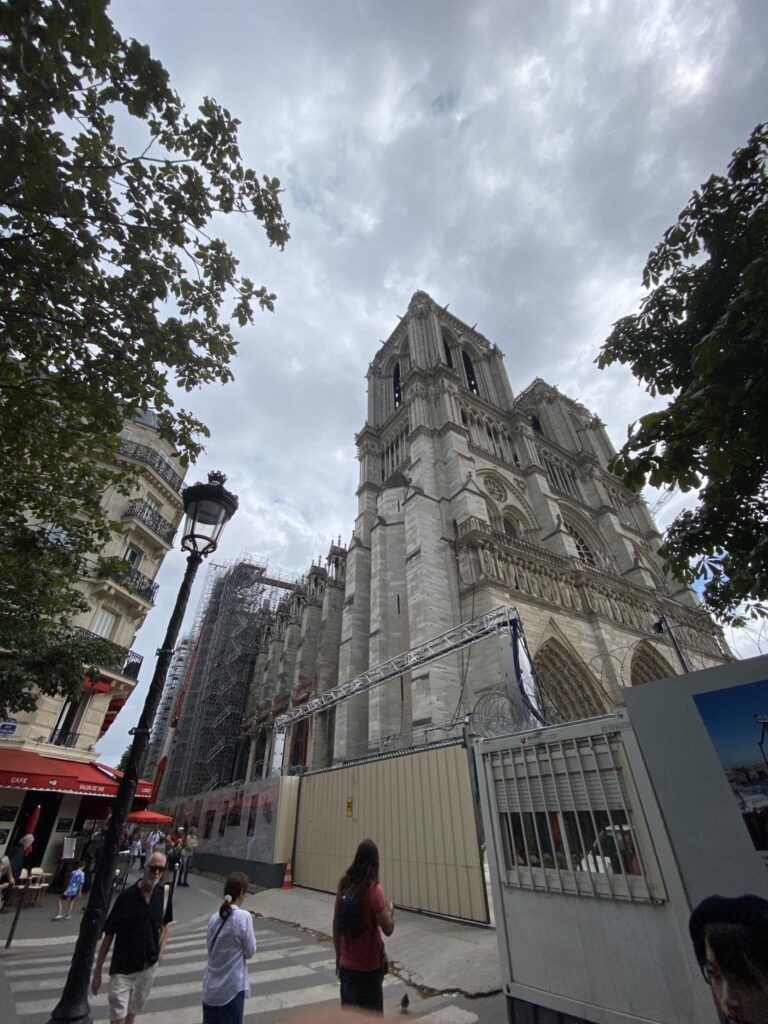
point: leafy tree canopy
(113, 289)
(701, 336)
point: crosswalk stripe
(287, 972)
(451, 1015)
(166, 991)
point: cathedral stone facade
(471, 498)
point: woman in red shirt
(360, 915)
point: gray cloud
(517, 161)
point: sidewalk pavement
(435, 953)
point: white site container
(602, 835)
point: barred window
(566, 821)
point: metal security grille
(568, 818)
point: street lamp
(208, 507)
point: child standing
(74, 886)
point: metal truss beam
(452, 640)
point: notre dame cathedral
(470, 497)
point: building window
(469, 371)
(133, 556)
(447, 351)
(397, 388)
(566, 823)
(104, 624)
(536, 424)
(583, 549)
(510, 528)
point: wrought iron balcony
(64, 738)
(153, 459)
(141, 584)
(148, 514)
(129, 661)
(130, 578)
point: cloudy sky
(517, 160)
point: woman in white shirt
(231, 943)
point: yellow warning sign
(349, 806)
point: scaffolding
(211, 703)
(162, 723)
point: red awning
(24, 769)
(144, 789)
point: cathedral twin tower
(469, 498)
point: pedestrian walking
(135, 850)
(730, 938)
(173, 850)
(7, 881)
(151, 841)
(189, 846)
(138, 923)
(18, 852)
(231, 943)
(72, 891)
(361, 913)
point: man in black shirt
(138, 922)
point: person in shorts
(138, 924)
(72, 891)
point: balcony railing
(143, 453)
(64, 738)
(148, 514)
(141, 584)
(474, 525)
(132, 580)
(130, 661)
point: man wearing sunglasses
(138, 923)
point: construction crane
(464, 635)
(663, 499)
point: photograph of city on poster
(736, 719)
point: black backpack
(350, 916)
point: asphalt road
(292, 973)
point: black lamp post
(208, 508)
(662, 626)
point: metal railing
(129, 663)
(141, 584)
(64, 738)
(146, 513)
(132, 579)
(143, 453)
(475, 525)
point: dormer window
(469, 371)
(397, 387)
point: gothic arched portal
(647, 665)
(569, 691)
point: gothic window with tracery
(536, 424)
(398, 391)
(469, 371)
(495, 489)
(568, 689)
(583, 549)
(510, 527)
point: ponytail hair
(236, 884)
